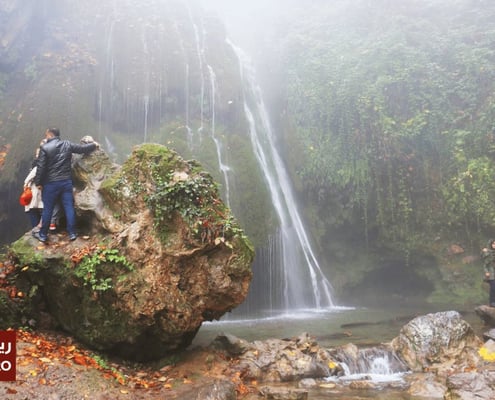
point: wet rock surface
(432, 340)
(487, 314)
(218, 372)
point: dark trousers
(492, 292)
(51, 194)
(34, 216)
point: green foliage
(27, 254)
(396, 123)
(195, 198)
(469, 195)
(190, 197)
(95, 269)
(3, 81)
(103, 364)
(31, 71)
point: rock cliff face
(19, 27)
(157, 255)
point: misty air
(247, 200)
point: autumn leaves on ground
(53, 365)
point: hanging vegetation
(395, 108)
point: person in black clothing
(488, 257)
(54, 177)
(35, 207)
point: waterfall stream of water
(304, 285)
(207, 79)
(289, 276)
(224, 168)
(199, 44)
(377, 364)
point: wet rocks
(471, 386)
(487, 314)
(274, 393)
(442, 355)
(426, 385)
(380, 359)
(217, 390)
(278, 360)
(437, 341)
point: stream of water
(364, 327)
(361, 326)
(301, 283)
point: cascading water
(298, 281)
(188, 127)
(137, 65)
(224, 168)
(109, 67)
(146, 96)
(200, 55)
(377, 364)
(202, 62)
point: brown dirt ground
(51, 366)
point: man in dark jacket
(488, 257)
(54, 177)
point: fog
(158, 70)
(251, 23)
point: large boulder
(157, 255)
(277, 360)
(438, 341)
(470, 386)
(487, 314)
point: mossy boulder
(158, 253)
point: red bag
(26, 196)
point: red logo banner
(7, 355)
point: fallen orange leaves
(241, 388)
(81, 360)
(6, 285)
(77, 256)
(44, 350)
(4, 150)
(41, 351)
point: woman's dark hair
(54, 131)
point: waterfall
(200, 54)
(188, 128)
(200, 49)
(146, 96)
(109, 66)
(302, 283)
(224, 168)
(146, 102)
(130, 91)
(376, 363)
(189, 133)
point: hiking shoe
(40, 237)
(72, 237)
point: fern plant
(92, 269)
